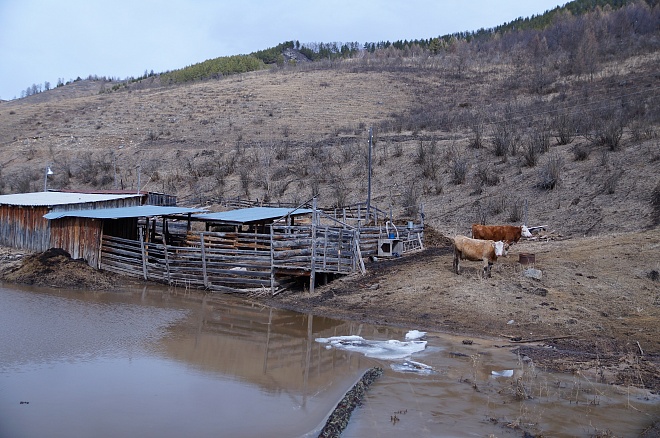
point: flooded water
(159, 362)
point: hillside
(560, 124)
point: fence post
(144, 255)
(167, 262)
(272, 264)
(206, 279)
(312, 274)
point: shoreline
(598, 316)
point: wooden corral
(235, 262)
(231, 261)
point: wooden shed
(23, 223)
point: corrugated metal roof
(124, 212)
(254, 214)
(40, 199)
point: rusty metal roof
(251, 215)
(124, 212)
(49, 199)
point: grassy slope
(294, 131)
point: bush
(564, 127)
(459, 168)
(581, 152)
(516, 210)
(611, 182)
(608, 130)
(655, 204)
(410, 200)
(487, 177)
(531, 154)
(550, 173)
(477, 127)
(427, 158)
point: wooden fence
(234, 262)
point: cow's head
(524, 231)
(499, 248)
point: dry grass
(290, 134)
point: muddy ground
(52, 268)
(594, 311)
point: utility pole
(371, 136)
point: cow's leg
(457, 263)
(487, 265)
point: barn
(26, 220)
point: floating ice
(386, 350)
(414, 334)
(503, 373)
(410, 366)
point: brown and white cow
(505, 233)
(475, 250)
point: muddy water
(159, 362)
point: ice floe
(503, 373)
(411, 366)
(414, 334)
(385, 350)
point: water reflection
(149, 362)
(154, 362)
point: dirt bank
(595, 309)
(52, 268)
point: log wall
(239, 262)
(234, 262)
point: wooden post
(167, 262)
(341, 237)
(206, 279)
(144, 254)
(98, 263)
(325, 248)
(312, 274)
(363, 270)
(272, 264)
(371, 136)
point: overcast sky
(44, 40)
